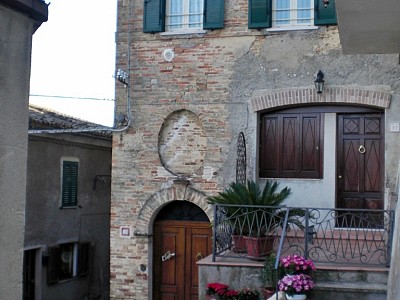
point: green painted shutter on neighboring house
(325, 15)
(260, 14)
(69, 183)
(154, 16)
(214, 11)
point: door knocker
(199, 256)
(361, 149)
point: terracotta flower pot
(239, 244)
(259, 247)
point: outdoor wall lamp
(326, 3)
(319, 81)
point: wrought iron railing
(329, 236)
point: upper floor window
(290, 14)
(69, 182)
(182, 16)
(290, 145)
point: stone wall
(206, 95)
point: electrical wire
(70, 97)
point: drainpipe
(128, 101)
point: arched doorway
(182, 236)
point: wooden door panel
(360, 155)
(177, 278)
(373, 165)
(168, 273)
(200, 247)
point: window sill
(292, 28)
(183, 32)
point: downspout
(128, 101)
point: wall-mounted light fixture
(326, 3)
(319, 81)
(122, 76)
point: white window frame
(294, 23)
(185, 25)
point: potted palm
(256, 213)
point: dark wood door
(360, 161)
(178, 245)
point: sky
(73, 58)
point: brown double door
(178, 245)
(360, 156)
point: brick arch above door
(179, 191)
(332, 95)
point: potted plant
(214, 289)
(270, 276)
(262, 215)
(296, 264)
(296, 286)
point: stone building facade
(189, 97)
(18, 21)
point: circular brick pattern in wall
(182, 143)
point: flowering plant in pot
(298, 284)
(216, 288)
(296, 264)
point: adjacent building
(19, 20)
(210, 79)
(67, 215)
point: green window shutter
(325, 15)
(214, 11)
(154, 16)
(260, 14)
(69, 184)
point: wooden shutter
(53, 264)
(260, 14)
(214, 11)
(310, 166)
(154, 16)
(289, 145)
(84, 250)
(70, 183)
(269, 148)
(325, 15)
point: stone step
(350, 282)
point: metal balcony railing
(329, 236)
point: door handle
(168, 255)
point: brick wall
(207, 95)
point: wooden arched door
(182, 236)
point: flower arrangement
(296, 284)
(216, 288)
(222, 292)
(295, 264)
